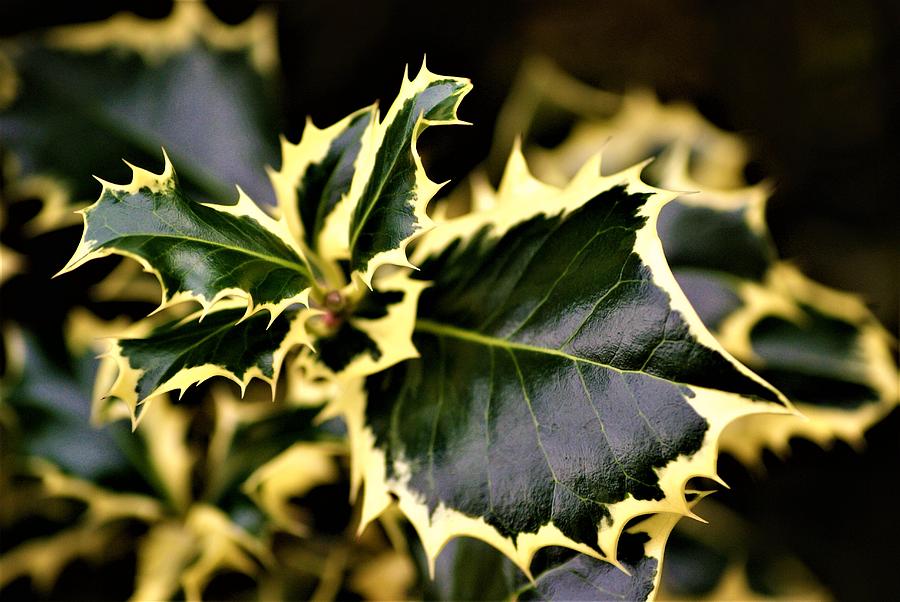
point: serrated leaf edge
(717, 407)
(295, 160)
(778, 296)
(124, 388)
(337, 227)
(244, 207)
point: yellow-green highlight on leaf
(186, 555)
(44, 559)
(9, 81)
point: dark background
(810, 85)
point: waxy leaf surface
(186, 351)
(385, 208)
(198, 251)
(564, 384)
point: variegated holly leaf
(468, 569)
(152, 359)
(185, 555)
(316, 173)
(198, 251)
(384, 209)
(77, 99)
(249, 431)
(823, 348)
(565, 385)
(291, 474)
(99, 525)
(156, 474)
(641, 129)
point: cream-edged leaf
(199, 252)
(384, 210)
(292, 474)
(372, 333)
(585, 578)
(630, 127)
(823, 348)
(44, 558)
(564, 384)
(152, 360)
(316, 173)
(185, 556)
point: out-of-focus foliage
(131, 85)
(224, 496)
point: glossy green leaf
(150, 361)
(89, 95)
(384, 210)
(197, 251)
(564, 384)
(316, 174)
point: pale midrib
(270, 258)
(476, 337)
(380, 186)
(444, 330)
